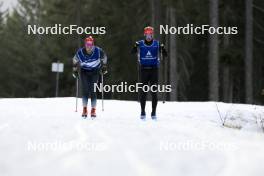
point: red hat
(148, 30)
(89, 40)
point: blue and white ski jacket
(90, 61)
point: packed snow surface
(46, 137)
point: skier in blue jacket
(89, 61)
(149, 51)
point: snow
(46, 137)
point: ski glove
(75, 73)
(104, 69)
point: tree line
(204, 67)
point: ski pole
(163, 81)
(77, 94)
(102, 75)
(138, 73)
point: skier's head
(89, 44)
(148, 33)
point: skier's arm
(75, 61)
(75, 64)
(103, 57)
(135, 48)
(163, 50)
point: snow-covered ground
(46, 137)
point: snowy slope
(46, 137)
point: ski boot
(93, 113)
(143, 116)
(153, 116)
(85, 112)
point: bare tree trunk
(227, 84)
(249, 52)
(227, 75)
(78, 14)
(231, 88)
(166, 61)
(173, 57)
(156, 16)
(152, 11)
(213, 54)
(155, 22)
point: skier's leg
(85, 92)
(154, 81)
(93, 80)
(143, 95)
(85, 100)
(143, 102)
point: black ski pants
(149, 76)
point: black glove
(104, 69)
(75, 73)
